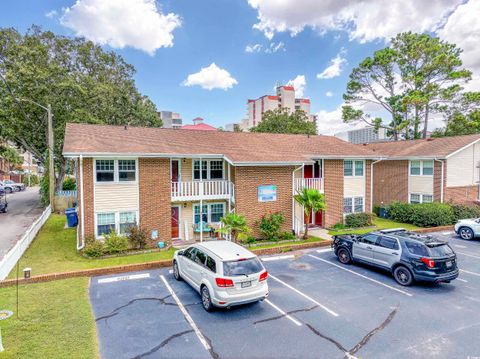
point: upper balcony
(202, 190)
(312, 183)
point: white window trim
(353, 205)
(421, 197)
(115, 171)
(208, 170)
(208, 204)
(117, 220)
(421, 168)
(353, 168)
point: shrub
(270, 224)
(462, 212)
(94, 248)
(34, 180)
(422, 215)
(69, 184)
(288, 236)
(249, 240)
(236, 225)
(356, 220)
(338, 226)
(376, 210)
(115, 243)
(137, 237)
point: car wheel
(8, 190)
(176, 271)
(344, 256)
(206, 299)
(466, 233)
(403, 276)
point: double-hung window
(196, 170)
(421, 168)
(105, 223)
(196, 211)
(126, 170)
(353, 168)
(420, 198)
(347, 205)
(216, 169)
(118, 222)
(211, 169)
(127, 220)
(211, 213)
(105, 170)
(352, 205)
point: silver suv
(408, 256)
(224, 273)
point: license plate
(448, 264)
(246, 284)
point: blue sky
(166, 49)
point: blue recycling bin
(383, 212)
(72, 217)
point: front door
(316, 219)
(175, 222)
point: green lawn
(54, 250)
(379, 223)
(286, 244)
(55, 321)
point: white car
(468, 228)
(224, 273)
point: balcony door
(175, 170)
(175, 221)
(313, 171)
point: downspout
(293, 193)
(441, 178)
(371, 183)
(82, 210)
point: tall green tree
(312, 201)
(281, 120)
(81, 81)
(415, 76)
(11, 155)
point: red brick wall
(247, 180)
(437, 180)
(88, 204)
(368, 186)
(390, 182)
(333, 183)
(462, 195)
(155, 196)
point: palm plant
(234, 224)
(312, 201)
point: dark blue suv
(407, 255)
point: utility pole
(51, 164)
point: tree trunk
(61, 175)
(425, 128)
(416, 123)
(305, 235)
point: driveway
(23, 208)
(317, 308)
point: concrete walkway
(319, 232)
(23, 209)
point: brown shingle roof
(430, 147)
(237, 147)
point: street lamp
(51, 167)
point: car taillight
(430, 263)
(222, 282)
(263, 276)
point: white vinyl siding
(116, 196)
(462, 167)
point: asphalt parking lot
(317, 308)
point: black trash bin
(72, 217)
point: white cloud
(364, 21)
(120, 23)
(463, 29)
(253, 48)
(299, 83)
(335, 68)
(330, 122)
(211, 77)
(51, 14)
(329, 93)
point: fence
(11, 258)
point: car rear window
(440, 251)
(418, 249)
(242, 267)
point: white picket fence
(11, 258)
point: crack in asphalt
(116, 310)
(212, 352)
(162, 344)
(284, 315)
(331, 340)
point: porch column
(229, 189)
(201, 200)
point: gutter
(293, 192)
(371, 183)
(82, 208)
(441, 177)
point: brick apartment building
(169, 181)
(435, 169)
(284, 98)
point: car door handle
(394, 253)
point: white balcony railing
(312, 183)
(195, 190)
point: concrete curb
(434, 229)
(144, 266)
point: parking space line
(462, 280)
(288, 316)
(459, 246)
(277, 258)
(304, 295)
(324, 250)
(448, 233)
(471, 273)
(363, 276)
(468, 255)
(124, 277)
(187, 316)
